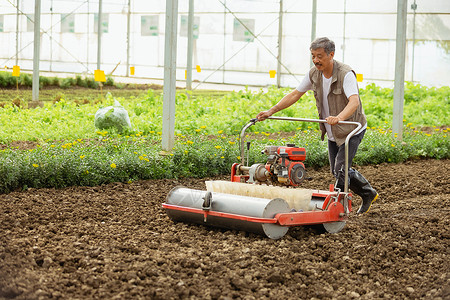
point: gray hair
(323, 42)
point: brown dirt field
(116, 242)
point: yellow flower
(238, 157)
(141, 157)
(392, 145)
(220, 131)
(146, 159)
(135, 152)
(222, 157)
(52, 146)
(87, 172)
(186, 152)
(159, 133)
(198, 130)
(218, 147)
(409, 124)
(189, 142)
(203, 127)
(113, 165)
(79, 140)
(82, 156)
(231, 143)
(35, 165)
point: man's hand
(333, 120)
(263, 115)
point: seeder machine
(264, 198)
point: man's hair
(323, 42)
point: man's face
(321, 59)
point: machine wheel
(334, 227)
(297, 174)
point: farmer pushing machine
(264, 198)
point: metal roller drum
(231, 204)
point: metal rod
(358, 127)
(170, 65)
(99, 35)
(313, 25)
(17, 34)
(128, 37)
(280, 43)
(37, 47)
(414, 7)
(190, 38)
(399, 88)
(343, 32)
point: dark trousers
(336, 156)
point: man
(337, 99)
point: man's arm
(285, 102)
(350, 108)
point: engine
(283, 167)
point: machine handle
(253, 121)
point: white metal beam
(280, 43)
(99, 35)
(190, 38)
(170, 65)
(399, 81)
(36, 51)
(313, 25)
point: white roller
(298, 199)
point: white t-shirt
(350, 88)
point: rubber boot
(361, 187)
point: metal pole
(280, 43)
(313, 25)
(17, 34)
(414, 7)
(343, 34)
(128, 37)
(399, 88)
(37, 46)
(170, 64)
(99, 35)
(51, 35)
(190, 45)
(224, 38)
(87, 38)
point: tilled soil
(116, 242)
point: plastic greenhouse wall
(226, 52)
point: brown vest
(336, 100)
